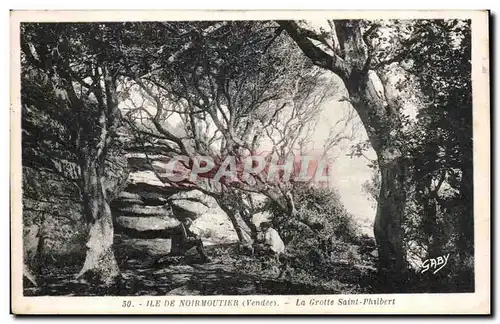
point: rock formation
(149, 209)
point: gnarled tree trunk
(100, 260)
(247, 218)
(371, 98)
(382, 121)
(238, 224)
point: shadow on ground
(145, 271)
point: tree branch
(319, 57)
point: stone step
(142, 211)
(145, 227)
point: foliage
(222, 88)
(438, 213)
(442, 150)
(320, 213)
(69, 126)
(320, 235)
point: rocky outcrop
(148, 223)
(190, 204)
(149, 209)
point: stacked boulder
(148, 209)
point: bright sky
(348, 174)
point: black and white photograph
(248, 157)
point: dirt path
(183, 279)
(146, 272)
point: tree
(444, 151)
(432, 62)
(228, 88)
(320, 209)
(71, 122)
(441, 149)
(351, 56)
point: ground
(146, 271)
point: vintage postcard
(250, 162)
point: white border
(478, 302)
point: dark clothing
(261, 249)
(183, 240)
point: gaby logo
(435, 263)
